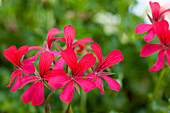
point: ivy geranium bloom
(16, 57)
(163, 33)
(35, 93)
(113, 57)
(76, 78)
(47, 44)
(157, 15)
(69, 34)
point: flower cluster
(57, 75)
(160, 27)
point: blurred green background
(109, 23)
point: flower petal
(69, 34)
(69, 56)
(86, 62)
(98, 52)
(59, 64)
(149, 36)
(141, 28)
(27, 95)
(113, 57)
(38, 95)
(159, 63)
(168, 56)
(58, 80)
(82, 41)
(27, 79)
(35, 47)
(149, 49)
(162, 31)
(34, 94)
(155, 7)
(28, 68)
(10, 55)
(21, 52)
(99, 84)
(45, 61)
(113, 84)
(17, 82)
(68, 92)
(13, 75)
(85, 84)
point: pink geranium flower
(76, 78)
(114, 57)
(157, 15)
(35, 93)
(16, 57)
(163, 33)
(47, 44)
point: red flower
(35, 93)
(47, 45)
(157, 15)
(15, 57)
(77, 70)
(163, 33)
(69, 34)
(114, 57)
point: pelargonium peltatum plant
(160, 27)
(57, 75)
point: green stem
(47, 105)
(83, 101)
(167, 109)
(157, 87)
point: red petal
(149, 36)
(28, 68)
(45, 62)
(34, 94)
(159, 63)
(26, 97)
(82, 41)
(50, 35)
(113, 84)
(21, 52)
(149, 49)
(86, 62)
(55, 72)
(17, 82)
(69, 34)
(98, 52)
(59, 64)
(162, 31)
(141, 28)
(38, 95)
(35, 47)
(168, 56)
(155, 7)
(13, 75)
(58, 80)
(69, 56)
(10, 55)
(27, 79)
(32, 59)
(114, 57)
(99, 84)
(85, 84)
(68, 92)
